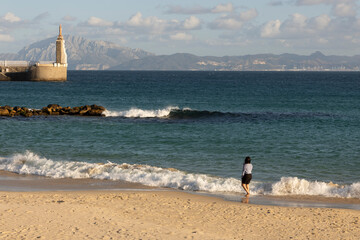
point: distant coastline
(84, 54)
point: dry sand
(147, 214)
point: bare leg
(246, 188)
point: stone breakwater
(52, 109)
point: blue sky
(203, 27)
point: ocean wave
(31, 163)
(171, 112)
(140, 113)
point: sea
(191, 131)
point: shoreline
(13, 182)
(44, 208)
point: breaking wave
(31, 163)
(140, 113)
(188, 113)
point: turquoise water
(300, 128)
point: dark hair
(247, 160)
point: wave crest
(171, 112)
(296, 186)
(140, 113)
(31, 163)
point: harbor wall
(38, 72)
(48, 72)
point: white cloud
(10, 17)
(344, 9)
(249, 14)
(296, 22)
(157, 26)
(149, 24)
(340, 8)
(98, 22)
(233, 21)
(271, 29)
(181, 36)
(191, 23)
(136, 20)
(222, 8)
(313, 2)
(69, 18)
(226, 23)
(190, 11)
(6, 38)
(322, 21)
(299, 30)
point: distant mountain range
(260, 62)
(86, 54)
(82, 54)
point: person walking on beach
(247, 175)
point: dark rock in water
(95, 110)
(75, 111)
(84, 109)
(4, 112)
(52, 109)
(46, 111)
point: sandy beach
(163, 215)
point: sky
(201, 27)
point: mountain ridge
(84, 54)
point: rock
(65, 111)
(94, 112)
(83, 112)
(46, 111)
(9, 108)
(25, 112)
(4, 112)
(75, 111)
(97, 107)
(52, 109)
(12, 113)
(84, 109)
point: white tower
(61, 56)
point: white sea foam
(140, 113)
(30, 163)
(296, 186)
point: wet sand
(30, 183)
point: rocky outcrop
(52, 109)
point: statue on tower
(60, 32)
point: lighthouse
(61, 57)
(40, 71)
(55, 71)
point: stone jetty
(52, 109)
